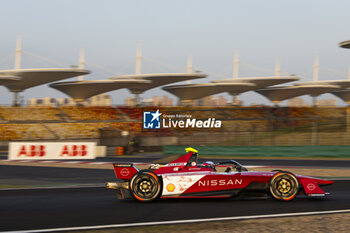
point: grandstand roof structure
(261, 82)
(82, 90)
(191, 92)
(8, 79)
(18, 80)
(343, 94)
(157, 80)
(345, 44)
(278, 94)
(341, 83)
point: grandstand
(240, 125)
(245, 125)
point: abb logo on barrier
(51, 150)
(74, 150)
(40, 150)
(32, 151)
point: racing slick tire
(284, 186)
(145, 186)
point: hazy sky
(262, 31)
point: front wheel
(284, 186)
(145, 186)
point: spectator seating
(76, 130)
(10, 132)
(29, 113)
(92, 113)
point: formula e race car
(185, 178)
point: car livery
(185, 178)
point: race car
(185, 178)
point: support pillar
(15, 102)
(137, 100)
(314, 101)
(275, 103)
(234, 98)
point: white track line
(181, 221)
(57, 187)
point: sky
(293, 31)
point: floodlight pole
(315, 79)
(316, 69)
(235, 65)
(138, 59)
(18, 52)
(278, 68)
(138, 69)
(189, 66)
(235, 74)
(81, 62)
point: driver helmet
(208, 163)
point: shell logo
(311, 186)
(124, 172)
(170, 187)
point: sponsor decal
(51, 150)
(317, 195)
(32, 151)
(124, 172)
(311, 186)
(182, 183)
(152, 120)
(170, 187)
(175, 164)
(74, 150)
(220, 182)
(192, 123)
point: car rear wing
(124, 170)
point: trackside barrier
(51, 150)
(100, 151)
(119, 150)
(266, 151)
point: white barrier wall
(51, 150)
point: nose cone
(324, 182)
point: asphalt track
(30, 209)
(28, 175)
(70, 207)
(31, 175)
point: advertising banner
(51, 150)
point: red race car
(185, 178)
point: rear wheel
(145, 186)
(284, 186)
